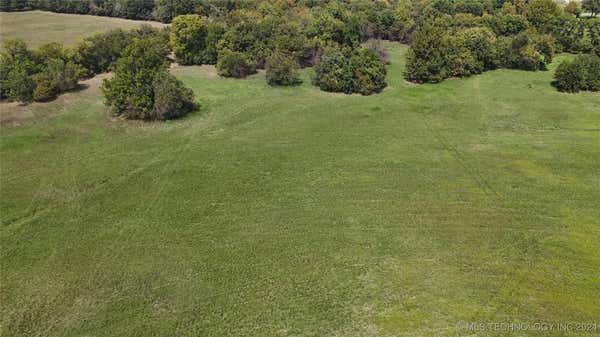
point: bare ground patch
(13, 114)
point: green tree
(18, 84)
(594, 33)
(541, 12)
(166, 10)
(171, 98)
(582, 73)
(282, 69)
(16, 67)
(592, 6)
(58, 76)
(334, 72)
(234, 64)
(130, 93)
(214, 33)
(426, 57)
(369, 72)
(98, 53)
(188, 34)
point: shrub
(51, 51)
(369, 72)
(334, 72)
(526, 51)
(403, 24)
(436, 55)
(214, 33)
(234, 64)
(569, 33)
(506, 24)
(481, 42)
(426, 57)
(591, 66)
(17, 64)
(166, 10)
(594, 33)
(18, 84)
(251, 38)
(45, 89)
(130, 93)
(569, 77)
(171, 98)
(188, 34)
(97, 53)
(58, 76)
(350, 71)
(582, 73)
(540, 13)
(282, 69)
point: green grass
(38, 27)
(295, 212)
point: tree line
(451, 39)
(141, 87)
(448, 38)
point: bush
(130, 93)
(582, 73)
(45, 89)
(17, 64)
(594, 33)
(142, 88)
(436, 55)
(540, 13)
(426, 57)
(97, 53)
(282, 69)
(350, 71)
(334, 72)
(188, 34)
(569, 33)
(369, 72)
(166, 10)
(526, 51)
(481, 43)
(58, 76)
(234, 64)
(18, 84)
(506, 24)
(569, 77)
(171, 98)
(214, 33)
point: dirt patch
(14, 113)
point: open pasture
(295, 212)
(39, 27)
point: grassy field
(295, 212)
(38, 27)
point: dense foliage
(38, 75)
(142, 88)
(582, 73)
(448, 38)
(451, 38)
(235, 64)
(282, 69)
(188, 35)
(350, 71)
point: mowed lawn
(39, 27)
(295, 212)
